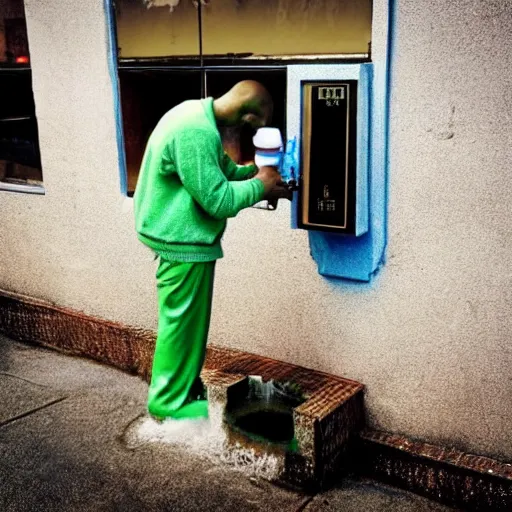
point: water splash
(258, 389)
(207, 439)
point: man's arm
(234, 172)
(195, 153)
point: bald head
(248, 102)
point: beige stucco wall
(430, 337)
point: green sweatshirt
(188, 186)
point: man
(188, 187)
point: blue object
(290, 164)
(112, 68)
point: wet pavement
(62, 448)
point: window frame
(227, 62)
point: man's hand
(275, 188)
(270, 178)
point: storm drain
(303, 418)
(263, 412)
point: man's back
(183, 196)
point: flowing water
(264, 413)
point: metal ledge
(24, 188)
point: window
(286, 27)
(20, 162)
(173, 50)
(145, 96)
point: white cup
(269, 147)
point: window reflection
(250, 27)
(160, 66)
(19, 147)
(286, 27)
(156, 31)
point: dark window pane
(13, 33)
(145, 97)
(19, 147)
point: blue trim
(363, 151)
(383, 85)
(112, 68)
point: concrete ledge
(469, 482)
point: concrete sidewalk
(62, 448)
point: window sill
(24, 188)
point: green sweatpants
(184, 306)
